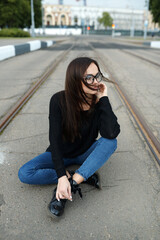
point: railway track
(140, 57)
(123, 48)
(7, 118)
(149, 137)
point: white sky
(129, 4)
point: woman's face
(92, 69)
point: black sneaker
(55, 207)
(93, 180)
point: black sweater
(102, 120)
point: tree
(154, 6)
(25, 14)
(106, 20)
(37, 13)
(14, 13)
(17, 13)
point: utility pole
(43, 21)
(43, 28)
(113, 30)
(32, 19)
(132, 25)
(146, 19)
(84, 20)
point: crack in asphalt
(17, 139)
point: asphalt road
(20, 72)
(127, 207)
(139, 78)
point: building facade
(63, 15)
(151, 24)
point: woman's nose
(94, 80)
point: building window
(75, 20)
(49, 20)
(63, 20)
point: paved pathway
(128, 207)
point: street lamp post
(87, 27)
(132, 25)
(113, 30)
(32, 19)
(43, 28)
(146, 20)
(83, 27)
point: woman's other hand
(63, 189)
(102, 91)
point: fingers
(64, 195)
(103, 88)
(70, 194)
(57, 196)
(102, 85)
(63, 189)
(60, 196)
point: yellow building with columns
(57, 15)
(67, 15)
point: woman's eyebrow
(92, 74)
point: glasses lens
(89, 79)
(99, 77)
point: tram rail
(140, 57)
(145, 130)
(136, 55)
(148, 135)
(7, 118)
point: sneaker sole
(52, 215)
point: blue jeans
(40, 170)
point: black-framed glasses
(89, 78)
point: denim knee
(111, 143)
(23, 176)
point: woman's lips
(96, 88)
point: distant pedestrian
(76, 116)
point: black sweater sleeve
(55, 136)
(107, 122)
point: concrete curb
(15, 50)
(153, 44)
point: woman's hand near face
(102, 91)
(63, 189)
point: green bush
(13, 32)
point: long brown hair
(75, 97)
